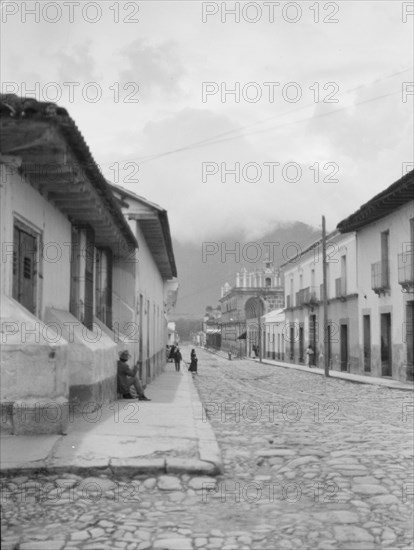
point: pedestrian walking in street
(128, 378)
(309, 356)
(194, 363)
(171, 355)
(177, 359)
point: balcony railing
(340, 287)
(406, 270)
(313, 295)
(380, 276)
(303, 296)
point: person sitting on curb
(127, 378)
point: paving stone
(366, 480)
(91, 484)
(270, 453)
(369, 489)
(43, 545)
(169, 483)
(149, 483)
(105, 524)
(337, 516)
(172, 544)
(80, 535)
(384, 500)
(202, 483)
(345, 533)
(142, 534)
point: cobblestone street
(309, 463)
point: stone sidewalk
(169, 434)
(351, 377)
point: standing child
(309, 356)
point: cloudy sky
(319, 122)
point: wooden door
(386, 355)
(344, 347)
(367, 343)
(24, 268)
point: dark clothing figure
(177, 359)
(127, 377)
(172, 353)
(193, 364)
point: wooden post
(259, 328)
(325, 301)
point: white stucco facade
(303, 277)
(393, 301)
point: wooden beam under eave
(143, 216)
(45, 139)
(45, 173)
(70, 209)
(78, 193)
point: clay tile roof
(396, 195)
(24, 109)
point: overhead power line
(239, 131)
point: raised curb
(208, 447)
(207, 462)
(134, 466)
(190, 466)
(118, 467)
(349, 377)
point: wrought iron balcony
(313, 295)
(304, 294)
(406, 271)
(380, 277)
(340, 287)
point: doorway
(386, 354)
(367, 343)
(301, 343)
(344, 347)
(24, 267)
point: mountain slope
(204, 268)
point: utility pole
(325, 300)
(259, 325)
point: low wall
(92, 360)
(34, 373)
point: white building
(385, 257)
(63, 238)
(155, 288)
(303, 277)
(274, 331)
(75, 288)
(370, 267)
